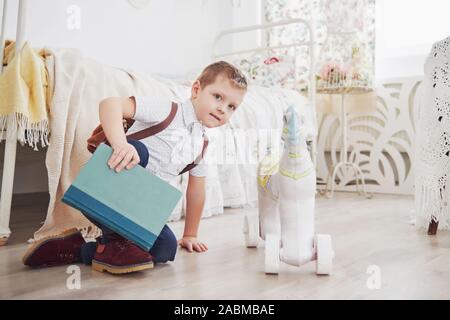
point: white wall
(246, 13)
(405, 32)
(168, 36)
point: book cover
(134, 203)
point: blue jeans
(165, 246)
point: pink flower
(328, 69)
(271, 60)
(332, 70)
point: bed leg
(7, 186)
(9, 163)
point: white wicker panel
(381, 142)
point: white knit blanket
(78, 85)
(432, 165)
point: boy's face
(216, 103)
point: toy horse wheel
(251, 231)
(272, 253)
(325, 254)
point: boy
(215, 96)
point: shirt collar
(189, 116)
(190, 145)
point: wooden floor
(365, 232)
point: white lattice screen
(381, 142)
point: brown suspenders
(98, 136)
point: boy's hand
(124, 156)
(191, 244)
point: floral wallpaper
(345, 32)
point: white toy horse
(286, 196)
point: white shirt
(172, 149)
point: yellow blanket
(23, 95)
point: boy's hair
(226, 69)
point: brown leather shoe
(120, 255)
(56, 250)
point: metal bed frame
(11, 138)
(265, 47)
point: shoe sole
(36, 245)
(102, 267)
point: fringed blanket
(23, 95)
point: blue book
(134, 203)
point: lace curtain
(330, 16)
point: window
(405, 32)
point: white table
(344, 161)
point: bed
(231, 182)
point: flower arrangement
(333, 70)
(351, 74)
